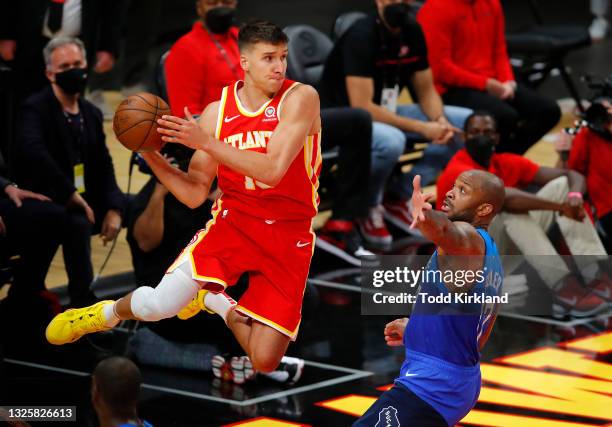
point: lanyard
(387, 57)
(223, 53)
(77, 135)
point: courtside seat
(345, 21)
(541, 49)
(160, 76)
(308, 51)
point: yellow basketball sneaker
(72, 324)
(194, 307)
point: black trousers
(606, 223)
(34, 231)
(350, 129)
(521, 121)
(399, 406)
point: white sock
(278, 376)
(220, 303)
(110, 317)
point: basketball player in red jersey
(261, 141)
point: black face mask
(481, 149)
(599, 119)
(397, 14)
(219, 20)
(72, 81)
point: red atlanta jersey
(295, 197)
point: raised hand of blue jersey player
(420, 202)
(394, 332)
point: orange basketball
(135, 122)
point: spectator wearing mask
(471, 68)
(372, 62)
(591, 155)
(520, 229)
(115, 387)
(205, 60)
(61, 153)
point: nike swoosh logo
(604, 294)
(229, 119)
(568, 301)
(301, 244)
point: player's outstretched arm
(189, 188)
(451, 237)
(300, 117)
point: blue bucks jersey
(443, 340)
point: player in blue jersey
(439, 381)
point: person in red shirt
(591, 155)
(471, 68)
(205, 60)
(526, 217)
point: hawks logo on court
(388, 418)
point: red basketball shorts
(276, 254)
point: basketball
(135, 122)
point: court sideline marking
(353, 374)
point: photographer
(591, 155)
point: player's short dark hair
(258, 31)
(118, 382)
(479, 113)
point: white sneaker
(599, 28)
(289, 371)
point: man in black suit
(61, 152)
(26, 26)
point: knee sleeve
(174, 292)
(142, 304)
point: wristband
(574, 194)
